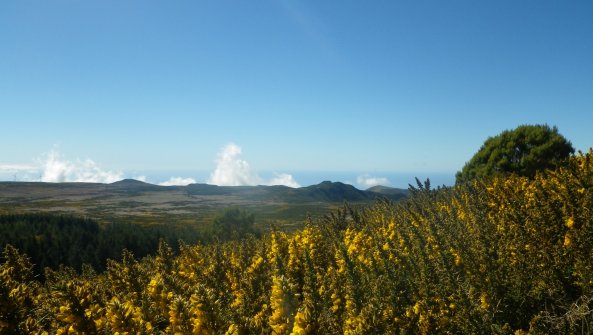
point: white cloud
(51, 168)
(368, 181)
(284, 179)
(12, 168)
(178, 181)
(56, 170)
(140, 178)
(19, 172)
(231, 170)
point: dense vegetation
(508, 255)
(53, 240)
(523, 151)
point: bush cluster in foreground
(509, 255)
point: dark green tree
(52, 240)
(233, 224)
(523, 151)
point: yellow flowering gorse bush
(502, 256)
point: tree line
(52, 240)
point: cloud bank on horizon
(178, 181)
(367, 181)
(52, 168)
(231, 170)
(57, 170)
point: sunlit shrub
(507, 255)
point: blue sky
(373, 88)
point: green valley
(132, 201)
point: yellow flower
(567, 241)
(457, 256)
(232, 330)
(570, 222)
(336, 301)
(301, 323)
(417, 308)
(484, 304)
(278, 302)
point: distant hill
(133, 186)
(326, 191)
(389, 192)
(334, 191)
(135, 201)
(130, 183)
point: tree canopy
(523, 151)
(233, 223)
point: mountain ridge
(140, 202)
(326, 191)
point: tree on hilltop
(523, 151)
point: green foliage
(54, 240)
(17, 293)
(523, 150)
(233, 224)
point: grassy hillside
(502, 256)
(389, 192)
(132, 201)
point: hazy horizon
(229, 169)
(357, 179)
